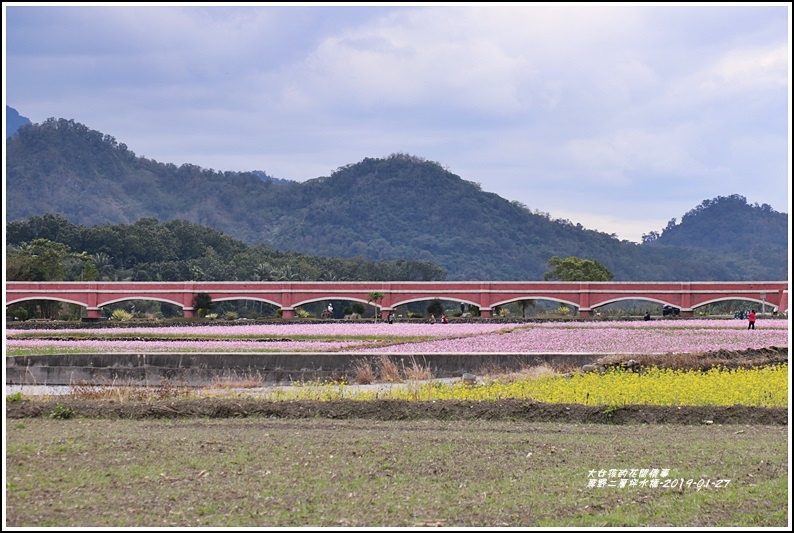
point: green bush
(121, 315)
(62, 413)
(16, 397)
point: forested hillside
(50, 247)
(748, 233)
(401, 207)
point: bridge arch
(729, 299)
(632, 298)
(429, 298)
(244, 297)
(47, 298)
(547, 298)
(134, 297)
(345, 297)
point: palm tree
(524, 304)
(375, 296)
(103, 265)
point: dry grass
(525, 372)
(365, 374)
(389, 371)
(700, 360)
(417, 371)
(237, 382)
(128, 393)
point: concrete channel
(201, 369)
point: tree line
(50, 248)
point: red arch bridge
(585, 296)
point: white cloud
(763, 70)
(739, 69)
(623, 226)
(632, 152)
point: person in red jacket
(751, 319)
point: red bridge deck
(586, 296)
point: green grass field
(256, 472)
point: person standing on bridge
(751, 319)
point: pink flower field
(133, 346)
(611, 337)
(659, 336)
(326, 329)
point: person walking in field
(751, 319)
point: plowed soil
(506, 409)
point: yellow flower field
(761, 387)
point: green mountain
(397, 208)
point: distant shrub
(120, 315)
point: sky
(619, 117)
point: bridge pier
(486, 313)
(93, 313)
(287, 313)
(188, 312)
(584, 313)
